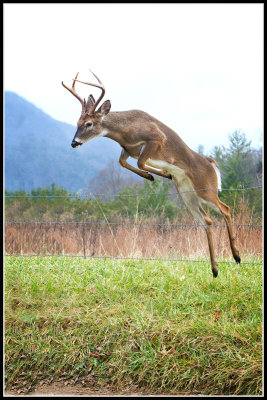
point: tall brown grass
(138, 239)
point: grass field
(169, 327)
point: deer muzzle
(75, 143)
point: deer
(160, 151)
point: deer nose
(74, 143)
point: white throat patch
(103, 133)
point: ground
(65, 389)
(58, 388)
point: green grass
(166, 327)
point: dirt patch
(61, 389)
(58, 388)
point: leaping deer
(158, 150)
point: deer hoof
(215, 273)
(148, 176)
(237, 259)
(214, 268)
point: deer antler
(100, 86)
(73, 91)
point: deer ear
(90, 102)
(105, 108)
(92, 98)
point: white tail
(218, 173)
(158, 150)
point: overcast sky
(196, 67)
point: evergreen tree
(240, 167)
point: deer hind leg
(225, 210)
(192, 202)
(208, 222)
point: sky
(198, 68)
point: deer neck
(113, 127)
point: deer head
(89, 124)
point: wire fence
(121, 223)
(90, 195)
(36, 232)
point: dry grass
(143, 239)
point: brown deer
(158, 150)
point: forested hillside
(38, 151)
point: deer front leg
(123, 157)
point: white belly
(183, 182)
(183, 185)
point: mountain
(38, 150)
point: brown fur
(148, 140)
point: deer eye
(89, 124)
